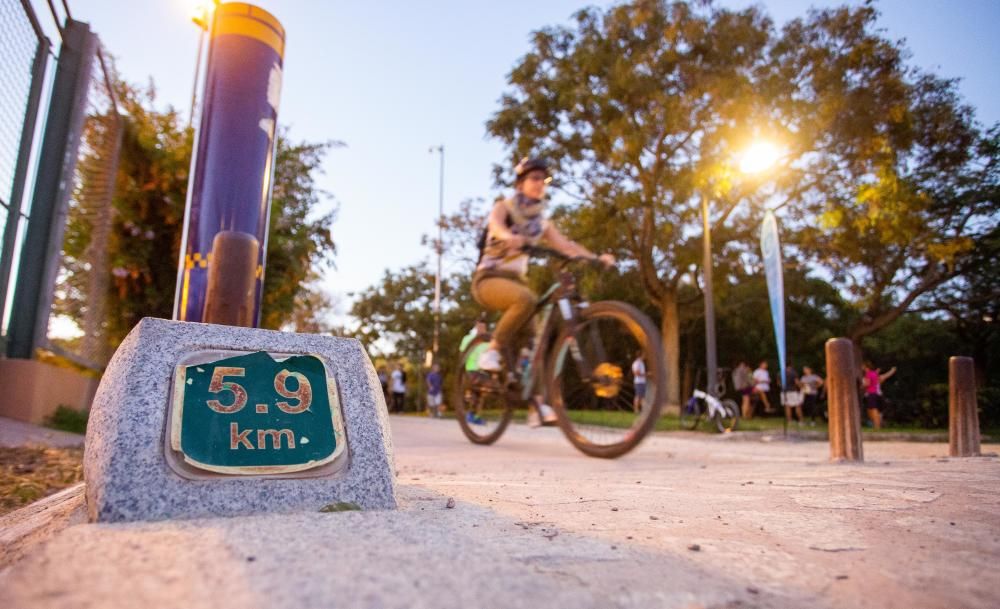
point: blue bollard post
(232, 171)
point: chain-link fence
(25, 52)
(18, 46)
(81, 290)
(55, 242)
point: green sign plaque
(252, 414)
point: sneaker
(549, 417)
(475, 420)
(489, 360)
(533, 419)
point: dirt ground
(28, 473)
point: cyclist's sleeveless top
(496, 256)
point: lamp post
(202, 18)
(711, 358)
(438, 246)
(759, 157)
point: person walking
(383, 380)
(398, 386)
(434, 393)
(791, 396)
(762, 384)
(810, 384)
(472, 359)
(743, 384)
(871, 384)
(638, 381)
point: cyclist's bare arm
(568, 247)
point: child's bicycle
(725, 413)
(580, 364)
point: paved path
(685, 521)
(18, 433)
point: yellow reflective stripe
(250, 21)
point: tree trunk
(671, 334)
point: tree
(641, 107)
(902, 180)
(887, 183)
(148, 214)
(299, 243)
(398, 314)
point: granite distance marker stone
(194, 420)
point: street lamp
(439, 246)
(757, 158)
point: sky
(390, 79)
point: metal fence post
(56, 166)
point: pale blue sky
(391, 78)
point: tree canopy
(885, 183)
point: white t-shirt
(810, 383)
(639, 371)
(398, 386)
(762, 380)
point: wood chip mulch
(29, 473)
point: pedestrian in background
(871, 384)
(472, 359)
(434, 391)
(743, 384)
(810, 384)
(791, 397)
(638, 381)
(398, 386)
(762, 384)
(383, 379)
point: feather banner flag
(770, 248)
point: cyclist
(499, 281)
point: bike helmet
(529, 164)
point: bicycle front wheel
(601, 409)
(480, 400)
(729, 418)
(692, 412)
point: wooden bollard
(842, 393)
(963, 415)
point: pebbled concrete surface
(685, 521)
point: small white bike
(725, 413)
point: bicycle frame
(714, 405)
(562, 293)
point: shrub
(68, 419)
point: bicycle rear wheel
(590, 381)
(479, 399)
(729, 418)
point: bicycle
(725, 413)
(581, 363)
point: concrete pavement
(684, 521)
(19, 433)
